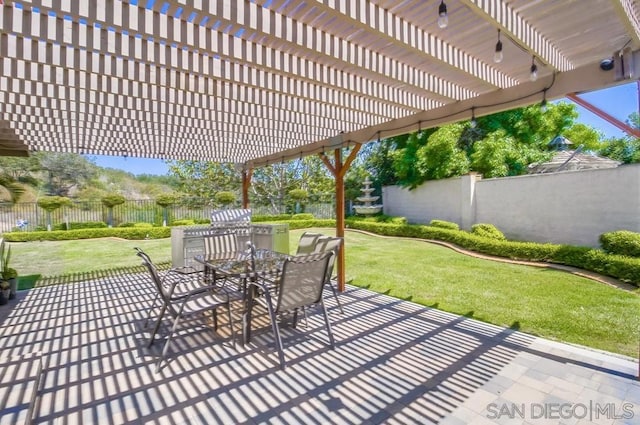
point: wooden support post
(339, 169)
(246, 182)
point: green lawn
(544, 302)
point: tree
(200, 181)
(111, 201)
(52, 203)
(499, 155)
(441, 157)
(590, 139)
(12, 189)
(65, 171)
(165, 201)
(225, 198)
(299, 196)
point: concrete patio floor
(395, 362)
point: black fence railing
(29, 216)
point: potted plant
(9, 275)
(4, 292)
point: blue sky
(618, 101)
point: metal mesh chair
(307, 243)
(179, 280)
(330, 244)
(300, 285)
(181, 304)
(220, 245)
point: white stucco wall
(433, 200)
(571, 207)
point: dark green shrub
(132, 233)
(302, 216)
(444, 224)
(621, 242)
(487, 231)
(184, 222)
(142, 225)
(81, 225)
(620, 267)
(380, 218)
(202, 221)
(272, 217)
(126, 224)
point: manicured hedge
(302, 216)
(618, 266)
(622, 242)
(272, 217)
(488, 231)
(134, 233)
(81, 225)
(444, 224)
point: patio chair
(300, 285)
(179, 280)
(307, 243)
(219, 245)
(183, 305)
(332, 244)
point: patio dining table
(244, 266)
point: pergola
(262, 81)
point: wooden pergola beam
(339, 169)
(246, 182)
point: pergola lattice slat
(253, 81)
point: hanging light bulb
(497, 56)
(533, 76)
(443, 19)
(543, 104)
(473, 122)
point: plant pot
(3, 298)
(13, 283)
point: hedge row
(618, 266)
(134, 233)
(623, 242)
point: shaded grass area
(27, 282)
(544, 302)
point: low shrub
(184, 222)
(81, 225)
(380, 218)
(133, 233)
(302, 216)
(202, 221)
(487, 231)
(270, 217)
(127, 224)
(142, 225)
(444, 224)
(621, 242)
(618, 266)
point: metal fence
(29, 216)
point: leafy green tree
(66, 171)
(52, 203)
(165, 201)
(298, 196)
(586, 136)
(499, 155)
(441, 158)
(225, 198)
(110, 201)
(20, 169)
(12, 189)
(200, 181)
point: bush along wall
(618, 266)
